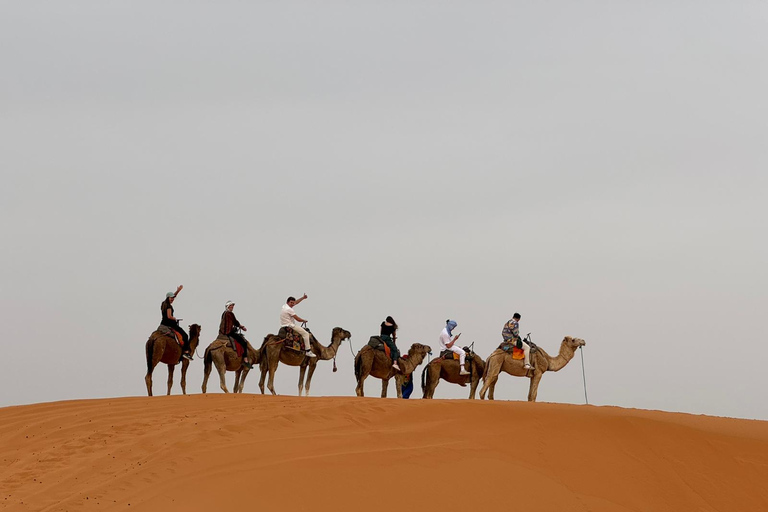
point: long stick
(584, 376)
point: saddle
(167, 331)
(512, 346)
(376, 344)
(449, 354)
(227, 341)
(291, 339)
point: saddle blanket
(450, 354)
(517, 353)
(167, 331)
(291, 339)
(225, 341)
(375, 343)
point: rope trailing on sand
(583, 375)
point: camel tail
(480, 366)
(358, 362)
(150, 350)
(207, 359)
(256, 355)
(424, 376)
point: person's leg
(240, 340)
(527, 353)
(462, 358)
(304, 334)
(393, 352)
(184, 337)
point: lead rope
(583, 376)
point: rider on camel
(389, 336)
(170, 321)
(229, 327)
(287, 317)
(448, 343)
(511, 334)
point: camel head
(194, 336)
(574, 343)
(418, 348)
(340, 334)
(194, 331)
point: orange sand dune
(248, 452)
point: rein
(583, 376)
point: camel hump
(376, 343)
(164, 331)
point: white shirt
(445, 338)
(286, 316)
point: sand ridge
(343, 453)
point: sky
(597, 166)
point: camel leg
(473, 385)
(433, 379)
(221, 367)
(157, 354)
(148, 381)
(271, 381)
(491, 375)
(399, 386)
(238, 372)
(263, 376)
(302, 371)
(309, 378)
(242, 379)
(384, 386)
(184, 366)
(171, 367)
(534, 388)
(360, 389)
(206, 373)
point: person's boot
(463, 371)
(247, 364)
(187, 356)
(394, 365)
(310, 353)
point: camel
(541, 361)
(162, 348)
(273, 352)
(375, 362)
(220, 354)
(448, 369)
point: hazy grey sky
(599, 167)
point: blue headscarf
(450, 325)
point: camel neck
(565, 355)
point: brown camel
(542, 362)
(273, 352)
(376, 363)
(163, 348)
(223, 356)
(448, 369)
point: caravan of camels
(295, 345)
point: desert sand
(251, 452)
